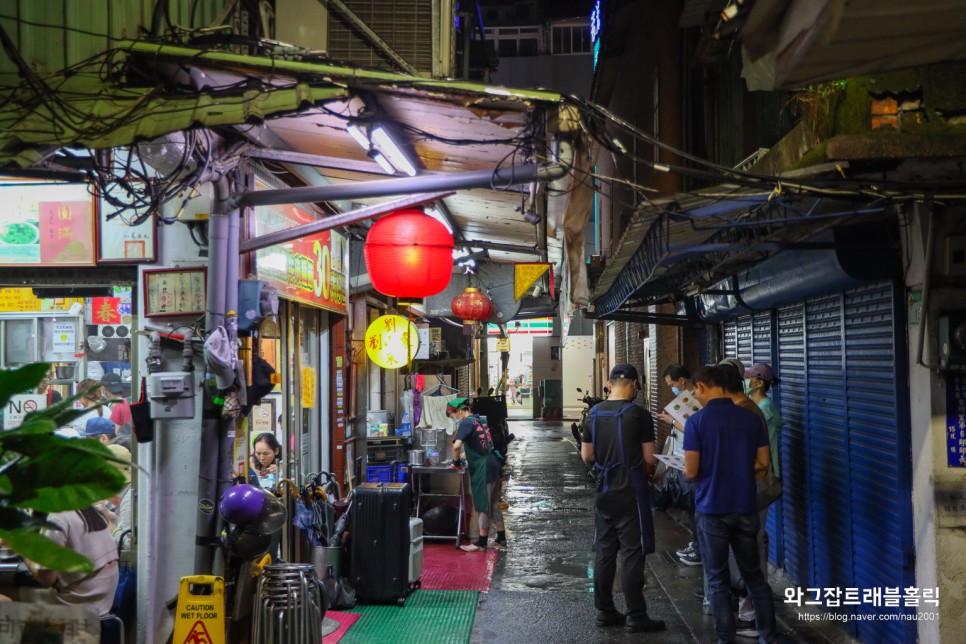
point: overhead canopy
(297, 112)
(794, 43)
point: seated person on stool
(86, 532)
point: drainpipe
(927, 284)
(500, 178)
(214, 431)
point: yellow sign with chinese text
(308, 387)
(392, 341)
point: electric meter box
(171, 394)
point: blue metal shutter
(827, 435)
(743, 340)
(752, 343)
(879, 450)
(796, 530)
(729, 339)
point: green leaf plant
(41, 473)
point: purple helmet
(242, 504)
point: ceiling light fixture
(381, 148)
(438, 216)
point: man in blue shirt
(725, 450)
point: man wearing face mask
(618, 439)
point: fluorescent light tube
(359, 136)
(438, 216)
(383, 162)
(393, 152)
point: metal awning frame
(660, 271)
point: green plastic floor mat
(428, 616)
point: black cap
(624, 370)
(112, 382)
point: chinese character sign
(106, 310)
(392, 341)
(956, 420)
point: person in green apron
(484, 463)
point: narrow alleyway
(542, 590)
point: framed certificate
(175, 291)
(120, 242)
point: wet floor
(543, 585)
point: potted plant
(41, 473)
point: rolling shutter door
(827, 435)
(880, 485)
(796, 530)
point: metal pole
(499, 178)
(343, 219)
(211, 427)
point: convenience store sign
(309, 269)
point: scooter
(590, 401)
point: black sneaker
(746, 628)
(698, 592)
(607, 618)
(644, 625)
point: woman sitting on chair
(85, 532)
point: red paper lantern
(409, 255)
(472, 306)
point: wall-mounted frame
(46, 223)
(175, 291)
(118, 242)
(264, 418)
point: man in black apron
(618, 439)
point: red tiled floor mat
(446, 568)
(345, 621)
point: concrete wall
(939, 534)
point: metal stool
(288, 606)
(112, 629)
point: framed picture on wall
(175, 291)
(126, 238)
(263, 418)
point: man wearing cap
(100, 428)
(484, 465)
(121, 408)
(618, 439)
(725, 451)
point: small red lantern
(472, 306)
(409, 255)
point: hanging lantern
(472, 306)
(409, 255)
(391, 341)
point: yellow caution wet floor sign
(201, 611)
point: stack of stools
(288, 606)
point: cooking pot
(417, 456)
(64, 373)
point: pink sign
(66, 232)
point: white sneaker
(471, 548)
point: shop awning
(680, 246)
(294, 113)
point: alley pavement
(543, 585)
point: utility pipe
(499, 178)
(213, 429)
(926, 285)
(335, 221)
